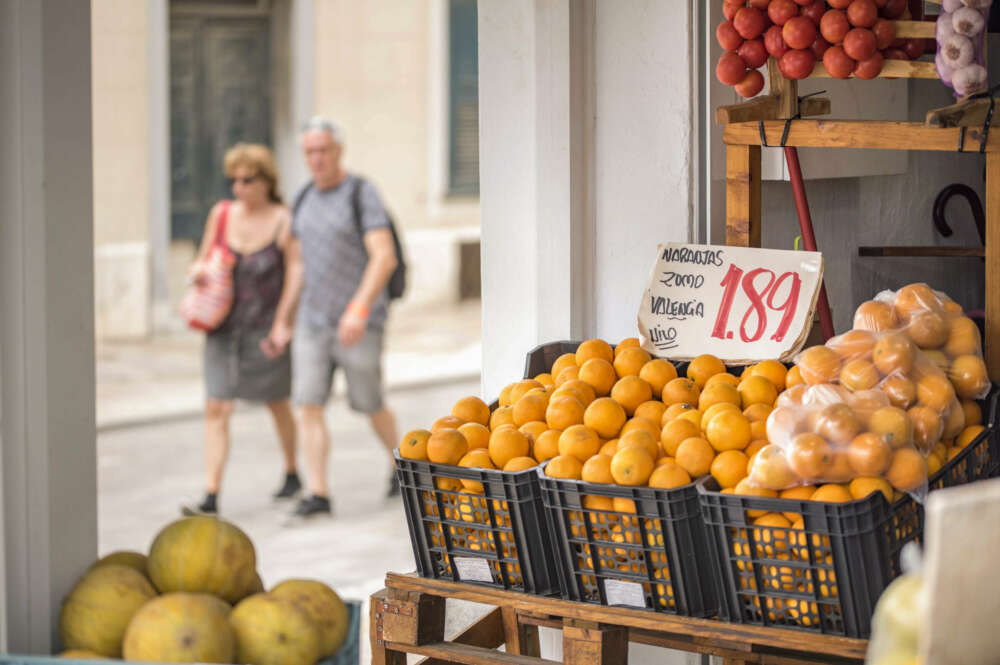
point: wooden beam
(743, 196)
(902, 250)
(965, 113)
(765, 107)
(786, 91)
(587, 643)
(381, 654)
(878, 135)
(450, 652)
(902, 69)
(519, 637)
(487, 633)
(914, 29)
(992, 337)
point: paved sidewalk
(161, 379)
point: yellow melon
(97, 611)
(181, 628)
(274, 631)
(323, 606)
(203, 555)
(135, 560)
(80, 654)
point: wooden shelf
(879, 135)
(915, 251)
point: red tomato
(727, 36)
(819, 47)
(799, 32)
(749, 22)
(838, 64)
(885, 33)
(870, 68)
(803, 3)
(797, 63)
(731, 69)
(859, 43)
(751, 85)
(729, 9)
(894, 53)
(893, 9)
(914, 48)
(862, 13)
(839, 4)
(880, 3)
(774, 42)
(753, 53)
(815, 11)
(760, 4)
(834, 26)
(780, 11)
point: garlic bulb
(977, 4)
(969, 80)
(944, 71)
(956, 51)
(968, 22)
(951, 5)
(943, 28)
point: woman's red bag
(208, 301)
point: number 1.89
(736, 279)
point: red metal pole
(808, 238)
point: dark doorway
(219, 95)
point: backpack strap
(220, 228)
(356, 206)
(297, 203)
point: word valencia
(677, 309)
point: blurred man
(343, 257)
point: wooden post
(786, 90)
(412, 618)
(743, 195)
(520, 638)
(992, 337)
(380, 655)
(590, 643)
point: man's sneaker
(208, 506)
(313, 505)
(291, 487)
(393, 486)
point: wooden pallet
(408, 617)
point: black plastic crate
(654, 558)
(539, 360)
(496, 536)
(981, 458)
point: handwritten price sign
(738, 303)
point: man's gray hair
(318, 122)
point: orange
(718, 392)
(695, 456)
(954, 420)
(630, 392)
(901, 391)
(564, 466)
(546, 380)
(506, 444)
(475, 435)
(532, 430)
(818, 364)
(934, 464)
(642, 439)
(716, 409)
(837, 423)
(744, 488)
(950, 307)
(692, 415)
(869, 454)
(963, 337)
(773, 371)
(757, 390)
(521, 388)
(758, 430)
(475, 459)
(562, 362)
(967, 436)
(609, 448)
(641, 424)
(927, 426)
(729, 430)
(758, 412)
(914, 299)
(605, 416)
(529, 408)
(800, 493)
(892, 424)
(724, 377)
(630, 361)
(568, 374)
(704, 366)
(414, 445)
(623, 505)
(674, 410)
(794, 377)
(784, 423)
(594, 348)
(973, 414)
(859, 374)
(579, 441)
(447, 422)
(968, 374)
(592, 502)
(520, 464)
(504, 399)
(663, 459)
(669, 475)
(853, 344)
(938, 359)
(658, 373)
(564, 411)
(928, 330)
(599, 375)
(503, 415)
(680, 391)
(894, 352)
(547, 445)
(862, 486)
(771, 542)
(651, 410)
(676, 431)
(866, 402)
(597, 469)
(583, 390)
(908, 470)
(840, 470)
(729, 467)
(832, 493)
(875, 316)
(448, 484)
(770, 469)
(471, 410)
(953, 452)
(446, 446)
(755, 447)
(627, 343)
(935, 391)
(809, 455)
(631, 466)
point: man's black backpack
(397, 281)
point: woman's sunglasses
(244, 181)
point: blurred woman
(242, 360)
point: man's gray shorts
(317, 353)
